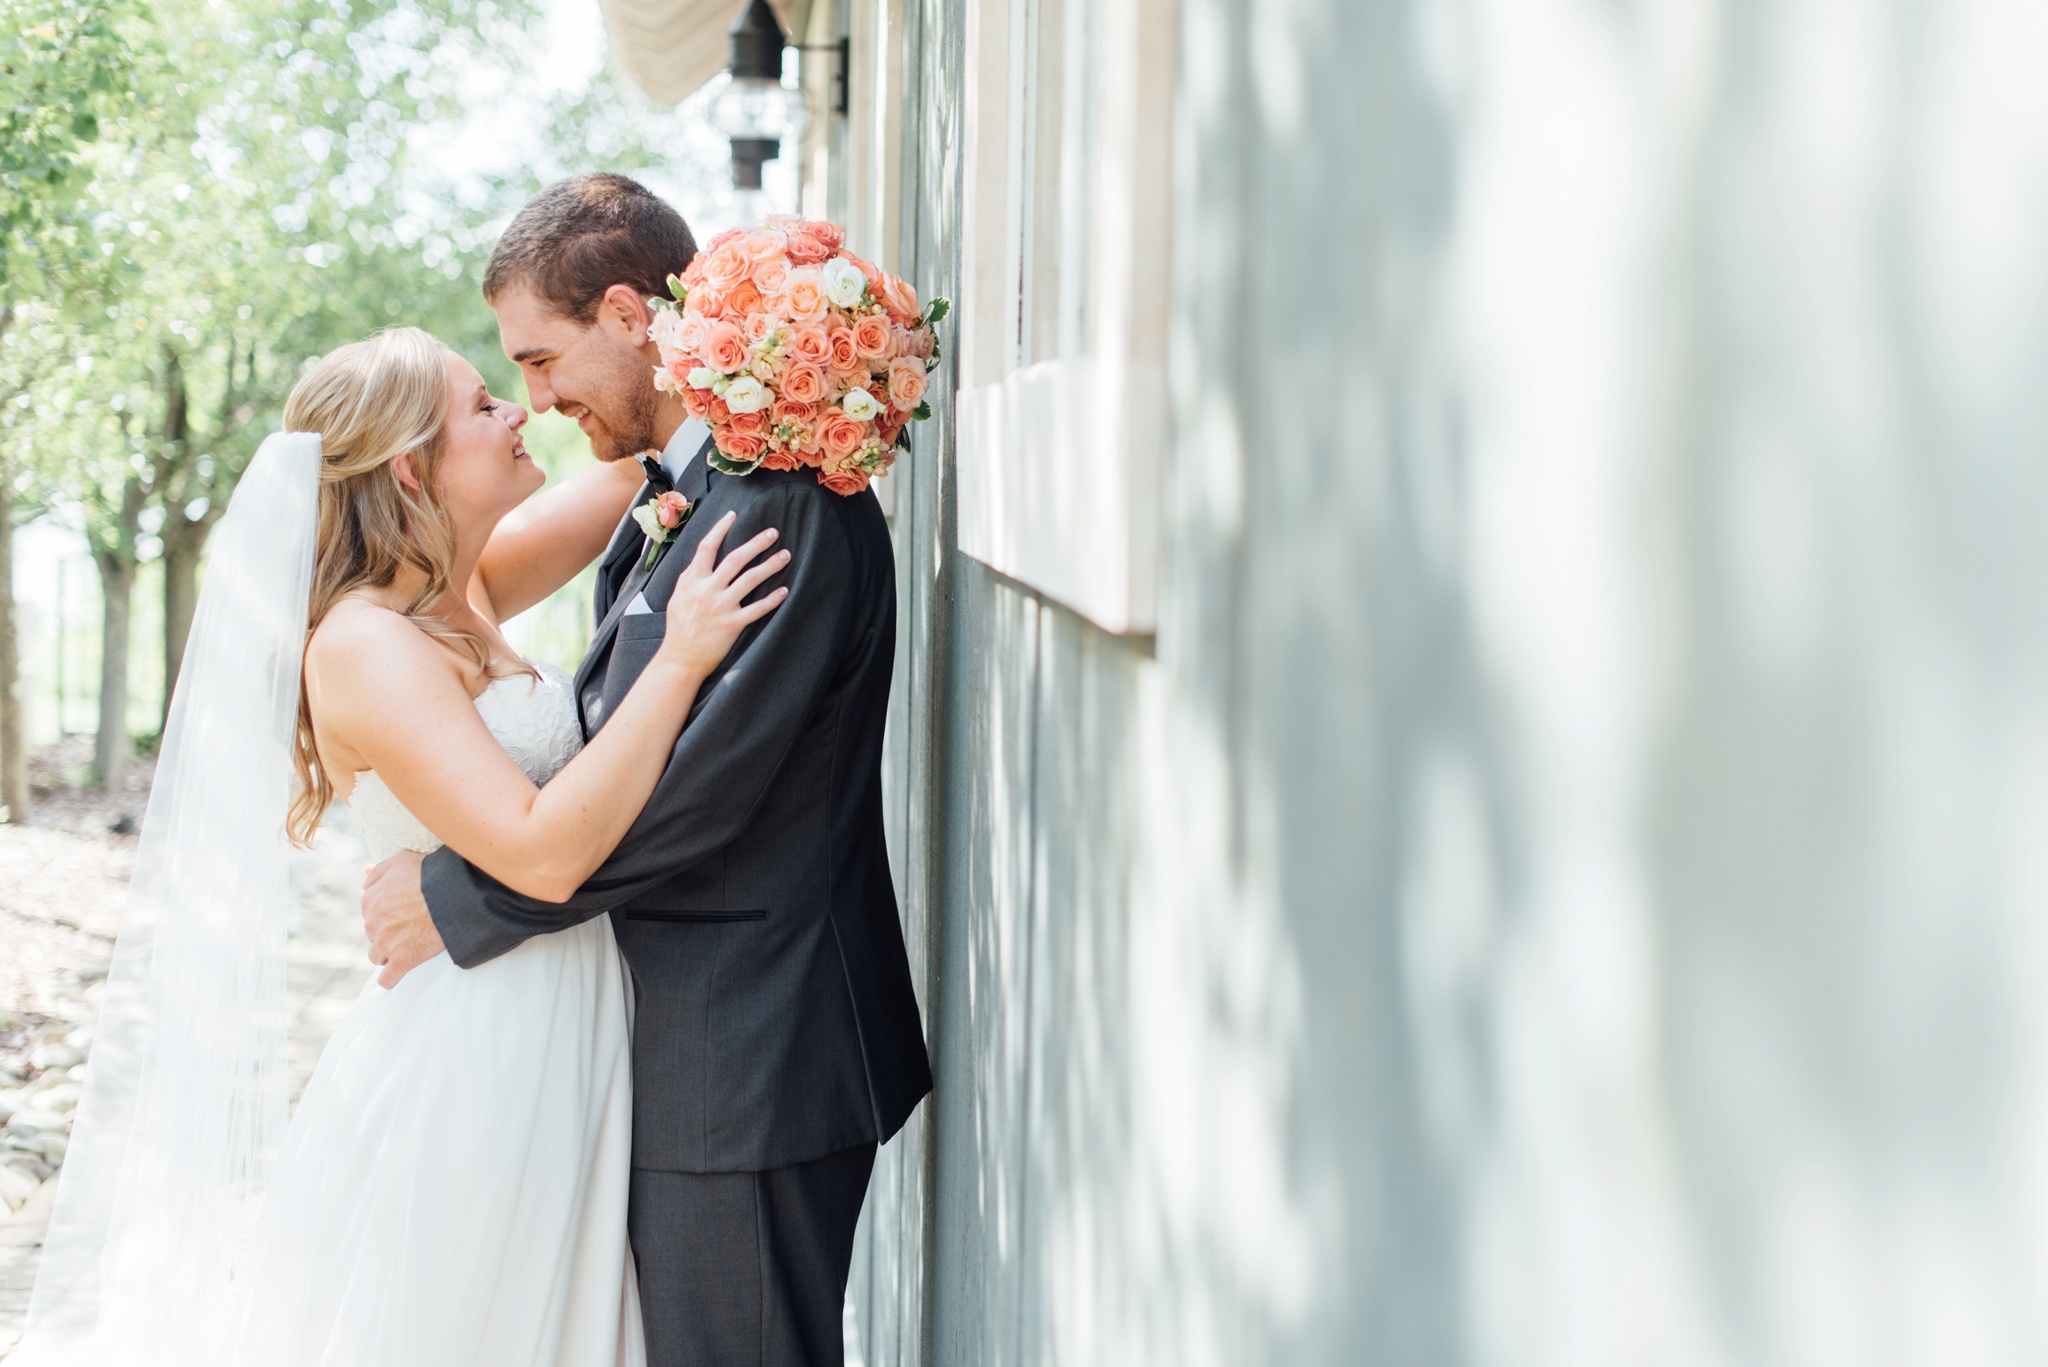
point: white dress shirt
(682, 446)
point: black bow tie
(656, 476)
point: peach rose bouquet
(797, 353)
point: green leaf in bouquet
(937, 311)
(726, 465)
(924, 411)
(678, 288)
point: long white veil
(187, 1091)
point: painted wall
(1564, 886)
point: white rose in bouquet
(844, 284)
(746, 395)
(858, 403)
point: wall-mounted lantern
(755, 109)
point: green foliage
(199, 197)
(725, 464)
(65, 68)
(259, 203)
(253, 208)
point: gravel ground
(60, 906)
(61, 801)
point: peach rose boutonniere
(784, 321)
(661, 517)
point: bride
(452, 1188)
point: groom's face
(595, 373)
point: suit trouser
(748, 1269)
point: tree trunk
(114, 747)
(183, 541)
(182, 538)
(113, 551)
(13, 741)
(13, 735)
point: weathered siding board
(981, 1025)
(887, 1283)
(891, 1293)
(1077, 1145)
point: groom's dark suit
(777, 1037)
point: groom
(777, 1039)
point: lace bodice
(535, 720)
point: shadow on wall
(1846, 793)
(1565, 888)
(1565, 891)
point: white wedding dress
(452, 1189)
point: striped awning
(671, 47)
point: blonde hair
(371, 402)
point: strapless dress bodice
(534, 719)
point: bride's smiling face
(484, 471)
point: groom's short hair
(579, 237)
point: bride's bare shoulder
(361, 642)
(358, 660)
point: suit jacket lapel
(694, 482)
(616, 563)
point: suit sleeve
(744, 723)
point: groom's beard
(625, 425)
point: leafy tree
(252, 209)
(65, 67)
(253, 202)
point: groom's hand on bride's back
(395, 917)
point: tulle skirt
(453, 1186)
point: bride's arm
(384, 691)
(544, 542)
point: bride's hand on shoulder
(708, 610)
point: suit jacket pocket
(643, 626)
(714, 917)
